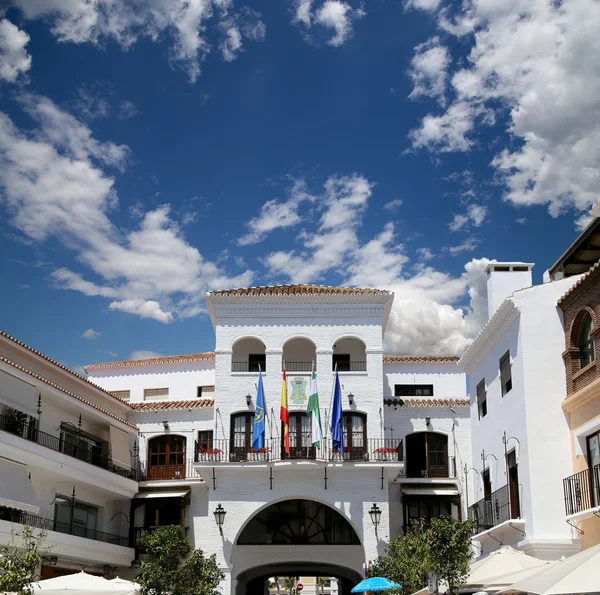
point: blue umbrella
(376, 583)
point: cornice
(283, 309)
(583, 396)
(496, 326)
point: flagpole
(328, 412)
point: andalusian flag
(313, 411)
(284, 416)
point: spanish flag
(284, 415)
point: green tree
(169, 566)
(449, 545)
(440, 548)
(19, 561)
(405, 559)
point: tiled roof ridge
(426, 402)
(55, 363)
(582, 279)
(168, 359)
(167, 405)
(391, 358)
(66, 391)
(297, 289)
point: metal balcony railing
(435, 467)
(78, 450)
(186, 470)
(582, 490)
(491, 511)
(351, 366)
(248, 366)
(24, 518)
(373, 451)
(298, 366)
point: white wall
(447, 378)
(182, 379)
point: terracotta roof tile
(172, 405)
(298, 289)
(581, 279)
(66, 391)
(427, 402)
(40, 354)
(169, 359)
(419, 359)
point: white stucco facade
(526, 423)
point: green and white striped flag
(312, 410)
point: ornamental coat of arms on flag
(298, 390)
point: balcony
(350, 366)
(24, 518)
(79, 451)
(376, 451)
(492, 511)
(248, 366)
(582, 492)
(181, 472)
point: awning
(15, 487)
(441, 491)
(162, 494)
(119, 447)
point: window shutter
(505, 368)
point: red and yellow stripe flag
(284, 415)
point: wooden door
(437, 455)
(513, 485)
(300, 437)
(167, 458)
(241, 436)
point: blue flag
(337, 430)
(258, 438)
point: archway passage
(256, 580)
(298, 522)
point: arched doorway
(297, 538)
(427, 455)
(166, 457)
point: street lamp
(350, 399)
(248, 399)
(220, 513)
(375, 514)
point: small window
(505, 373)
(342, 361)
(481, 399)
(413, 390)
(585, 341)
(124, 395)
(206, 392)
(156, 394)
(205, 440)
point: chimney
(503, 279)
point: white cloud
(90, 334)
(393, 205)
(232, 42)
(467, 246)
(475, 215)
(53, 187)
(425, 254)
(127, 110)
(428, 5)
(84, 21)
(530, 65)
(144, 354)
(14, 59)
(333, 15)
(276, 215)
(429, 70)
(522, 221)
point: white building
(65, 464)
(520, 435)
(406, 426)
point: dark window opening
(481, 400)
(426, 455)
(205, 440)
(413, 390)
(426, 508)
(342, 361)
(513, 484)
(505, 373)
(256, 361)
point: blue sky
(157, 149)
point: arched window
(585, 342)
(242, 428)
(166, 457)
(426, 455)
(355, 436)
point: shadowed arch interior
(294, 522)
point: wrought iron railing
(298, 366)
(441, 467)
(248, 366)
(77, 449)
(372, 451)
(24, 518)
(492, 511)
(351, 366)
(582, 490)
(186, 470)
